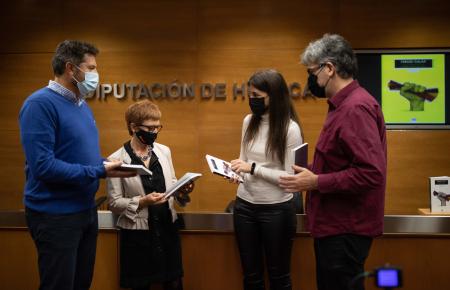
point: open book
(222, 168)
(301, 155)
(139, 169)
(185, 179)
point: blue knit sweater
(63, 162)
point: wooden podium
(427, 211)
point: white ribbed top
(262, 187)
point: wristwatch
(252, 170)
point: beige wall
(211, 41)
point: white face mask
(90, 83)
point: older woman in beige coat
(150, 248)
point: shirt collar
(65, 92)
(337, 99)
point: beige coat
(124, 193)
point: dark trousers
(265, 231)
(66, 246)
(339, 259)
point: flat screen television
(424, 75)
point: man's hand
(151, 199)
(112, 170)
(304, 180)
(409, 91)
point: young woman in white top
(264, 214)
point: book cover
(222, 168)
(440, 194)
(139, 169)
(301, 155)
(185, 179)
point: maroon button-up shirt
(350, 160)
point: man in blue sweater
(63, 167)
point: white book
(222, 168)
(301, 155)
(139, 169)
(185, 179)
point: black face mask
(257, 106)
(146, 138)
(314, 87)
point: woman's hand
(234, 178)
(186, 189)
(151, 199)
(239, 166)
(182, 194)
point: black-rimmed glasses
(311, 71)
(155, 129)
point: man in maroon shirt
(346, 182)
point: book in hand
(185, 179)
(222, 168)
(139, 169)
(301, 155)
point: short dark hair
(71, 51)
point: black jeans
(265, 230)
(339, 259)
(66, 246)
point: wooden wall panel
(211, 261)
(21, 75)
(413, 156)
(12, 173)
(19, 260)
(262, 24)
(215, 42)
(30, 26)
(125, 26)
(373, 24)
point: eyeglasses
(311, 71)
(154, 129)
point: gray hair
(335, 49)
